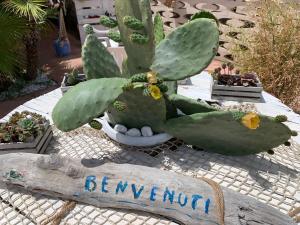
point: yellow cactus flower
(151, 76)
(251, 120)
(155, 92)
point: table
(274, 179)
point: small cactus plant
(73, 78)
(144, 92)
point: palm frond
(33, 10)
(45, 24)
(12, 30)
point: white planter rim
(133, 141)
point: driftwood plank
(185, 199)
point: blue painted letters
(195, 198)
(179, 200)
(135, 193)
(170, 195)
(121, 187)
(153, 193)
(167, 197)
(104, 184)
(90, 181)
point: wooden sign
(182, 198)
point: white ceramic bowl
(133, 141)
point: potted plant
(25, 132)
(70, 80)
(231, 85)
(62, 44)
(144, 93)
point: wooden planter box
(237, 93)
(39, 145)
(64, 87)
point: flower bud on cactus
(114, 35)
(163, 88)
(133, 23)
(120, 106)
(287, 143)
(142, 77)
(281, 118)
(108, 22)
(294, 133)
(88, 29)
(95, 124)
(139, 38)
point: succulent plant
(22, 127)
(73, 78)
(27, 124)
(144, 93)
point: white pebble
(120, 128)
(147, 131)
(133, 132)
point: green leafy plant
(12, 30)
(144, 93)
(31, 14)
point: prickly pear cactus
(159, 33)
(148, 97)
(140, 110)
(226, 133)
(188, 105)
(187, 50)
(136, 28)
(86, 101)
(97, 61)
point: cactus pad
(86, 101)
(140, 111)
(159, 33)
(189, 106)
(97, 61)
(220, 132)
(139, 48)
(205, 14)
(187, 50)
